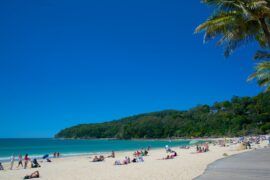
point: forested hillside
(239, 116)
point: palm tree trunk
(266, 31)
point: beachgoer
(101, 158)
(197, 148)
(95, 159)
(139, 159)
(12, 159)
(117, 162)
(248, 146)
(167, 148)
(35, 164)
(58, 154)
(167, 157)
(26, 160)
(20, 160)
(1, 167)
(112, 155)
(33, 175)
(145, 152)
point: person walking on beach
(26, 160)
(1, 167)
(20, 160)
(12, 159)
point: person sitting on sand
(112, 155)
(98, 159)
(145, 152)
(1, 167)
(134, 160)
(117, 162)
(33, 175)
(95, 159)
(35, 164)
(168, 157)
(101, 158)
(139, 159)
(127, 160)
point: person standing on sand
(12, 159)
(1, 167)
(20, 160)
(26, 160)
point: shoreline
(187, 165)
(81, 153)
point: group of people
(170, 156)
(25, 161)
(127, 160)
(98, 159)
(20, 161)
(202, 148)
(56, 154)
(140, 153)
(102, 158)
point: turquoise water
(39, 147)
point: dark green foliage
(240, 116)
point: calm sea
(39, 147)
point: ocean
(67, 147)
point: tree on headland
(236, 117)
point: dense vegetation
(240, 116)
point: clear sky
(66, 62)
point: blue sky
(67, 62)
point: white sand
(187, 165)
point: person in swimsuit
(26, 160)
(33, 175)
(20, 160)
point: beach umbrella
(194, 142)
(45, 156)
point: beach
(187, 165)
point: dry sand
(187, 165)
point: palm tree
(237, 22)
(262, 70)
